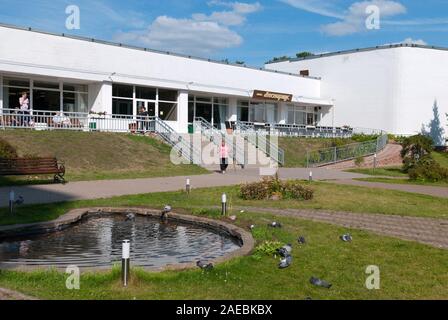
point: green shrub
(7, 151)
(268, 188)
(267, 248)
(359, 161)
(415, 148)
(427, 169)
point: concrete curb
(74, 216)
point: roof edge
(383, 47)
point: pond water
(97, 242)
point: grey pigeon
(204, 265)
(20, 201)
(285, 262)
(130, 217)
(252, 227)
(346, 238)
(320, 283)
(164, 216)
(275, 225)
(301, 240)
(285, 251)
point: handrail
(216, 136)
(261, 142)
(322, 157)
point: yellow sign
(276, 96)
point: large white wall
(391, 89)
(59, 56)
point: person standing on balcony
(224, 156)
(143, 120)
(24, 109)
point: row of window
(46, 96)
(135, 100)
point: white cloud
(201, 34)
(321, 7)
(184, 36)
(355, 17)
(413, 41)
(351, 20)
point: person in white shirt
(24, 109)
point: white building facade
(392, 88)
(68, 74)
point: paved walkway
(433, 232)
(87, 190)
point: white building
(390, 87)
(71, 74)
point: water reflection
(96, 242)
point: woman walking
(224, 156)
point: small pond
(96, 241)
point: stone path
(6, 294)
(87, 190)
(433, 232)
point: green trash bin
(190, 129)
(92, 125)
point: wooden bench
(24, 167)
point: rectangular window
(11, 97)
(46, 85)
(122, 107)
(46, 100)
(145, 93)
(75, 88)
(21, 83)
(122, 91)
(168, 111)
(168, 95)
(75, 102)
(291, 114)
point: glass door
(144, 106)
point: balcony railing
(292, 130)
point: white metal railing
(216, 136)
(260, 141)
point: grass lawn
(441, 158)
(408, 270)
(296, 148)
(405, 181)
(96, 156)
(386, 172)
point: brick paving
(430, 231)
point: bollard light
(224, 204)
(188, 186)
(125, 262)
(12, 199)
(311, 176)
(374, 161)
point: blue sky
(250, 31)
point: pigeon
(130, 217)
(275, 225)
(20, 201)
(165, 211)
(320, 283)
(204, 265)
(346, 238)
(301, 240)
(285, 262)
(252, 227)
(285, 251)
(233, 218)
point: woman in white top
(24, 109)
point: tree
(436, 131)
(304, 54)
(415, 148)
